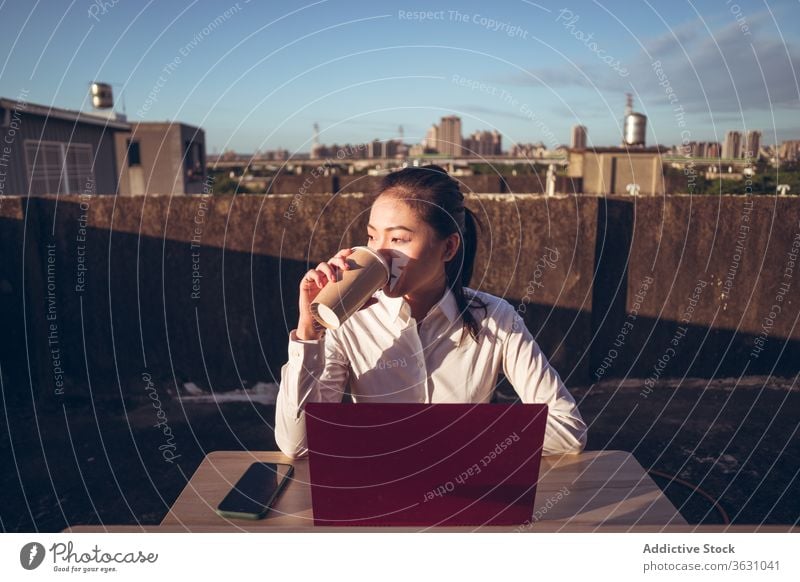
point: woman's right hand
(310, 286)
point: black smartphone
(255, 491)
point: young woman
(426, 337)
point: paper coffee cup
(338, 300)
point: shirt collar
(400, 310)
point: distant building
(789, 151)
(383, 149)
(752, 144)
(161, 158)
(392, 148)
(431, 141)
(416, 150)
(471, 145)
(318, 151)
(528, 150)
(712, 149)
(449, 141)
(579, 137)
(347, 151)
(375, 149)
(48, 150)
(278, 155)
(732, 146)
(483, 143)
(699, 149)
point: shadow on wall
(695, 286)
(105, 308)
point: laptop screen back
(424, 464)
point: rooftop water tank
(102, 97)
(635, 129)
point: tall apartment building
(579, 137)
(449, 141)
(752, 143)
(375, 149)
(483, 143)
(732, 146)
(700, 149)
(789, 150)
(431, 140)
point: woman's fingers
(328, 271)
(340, 259)
(340, 262)
(314, 277)
(344, 252)
(335, 264)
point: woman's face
(395, 231)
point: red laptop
(424, 464)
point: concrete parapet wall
(99, 293)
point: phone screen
(255, 491)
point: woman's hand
(310, 286)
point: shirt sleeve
(536, 381)
(317, 371)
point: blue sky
(267, 71)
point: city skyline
(259, 77)
(488, 143)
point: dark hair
(436, 198)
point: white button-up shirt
(382, 355)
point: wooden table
(585, 492)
